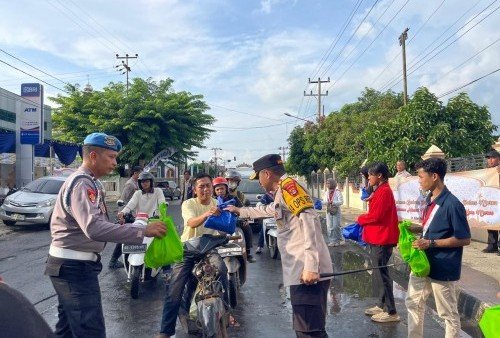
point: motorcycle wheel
(232, 286)
(273, 247)
(136, 279)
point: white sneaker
(373, 310)
(384, 317)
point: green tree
(151, 118)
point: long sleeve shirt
(145, 202)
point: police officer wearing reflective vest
(80, 229)
(304, 253)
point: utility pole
(402, 39)
(126, 68)
(283, 152)
(319, 95)
(215, 157)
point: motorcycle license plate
(17, 217)
(134, 248)
(229, 251)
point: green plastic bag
(490, 322)
(166, 250)
(419, 264)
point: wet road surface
(263, 310)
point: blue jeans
(181, 287)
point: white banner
(165, 153)
(478, 191)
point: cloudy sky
(252, 59)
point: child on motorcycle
(221, 188)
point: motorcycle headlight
(46, 203)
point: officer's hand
(421, 244)
(155, 229)
(309, 278)
(233, 209)
(120, 218)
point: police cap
(267, 161)
(102, 140)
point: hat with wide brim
(265, 162)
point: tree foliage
(378, 127)
(151, 118)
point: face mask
(233, 185)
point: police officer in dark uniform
(80, 229)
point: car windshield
(172, 184)
(251, 187)
(44, 186)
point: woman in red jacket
(380, 231)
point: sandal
(233, 322)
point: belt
(58, 252)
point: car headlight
(46, 203)
(6, 201)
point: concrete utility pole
(215, 157)
(126, 69)
(283, 152)
(402, 39)
(319, 95)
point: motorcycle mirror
(247, 203)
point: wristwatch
(432, 243)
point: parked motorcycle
(271, 236)
(235, 257)
(133, 258)
(210, 317)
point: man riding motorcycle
(233, 181)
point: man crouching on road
(80, 229)
(304, 253)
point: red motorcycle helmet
(218, 181)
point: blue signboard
(31, 129)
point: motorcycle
(133, 259)
(235, 257)
(210, 316)
(271, 236)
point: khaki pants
(445, 295)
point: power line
(241, 112)
(467, 84)
(371, 43)
(412, 68)
(33, 76)
(409, 41)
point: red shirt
(380, 224)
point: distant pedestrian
(80, 229)
(187, 186)
(445, 233)
(333, 199)
(381, 232)
(492, 161)
(304, 253)
(401, 170)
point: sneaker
(115, 264)
(384, 317)
(490, 249)
(250, 259)
(373, 310)
(259, 250)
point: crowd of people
(80, 228)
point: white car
(33, 203)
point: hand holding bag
(419, 264)
(226, 221)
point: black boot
(115, 264)
(250, 259)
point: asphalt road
(264, 309)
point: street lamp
(298, 118)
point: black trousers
(493, 239)
(117, 252)
(79, 295)
(309, 309)
(380, 256)
(247, 233)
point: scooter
(235, 257)
(210, 317)
(271, 236)
(133, 259)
